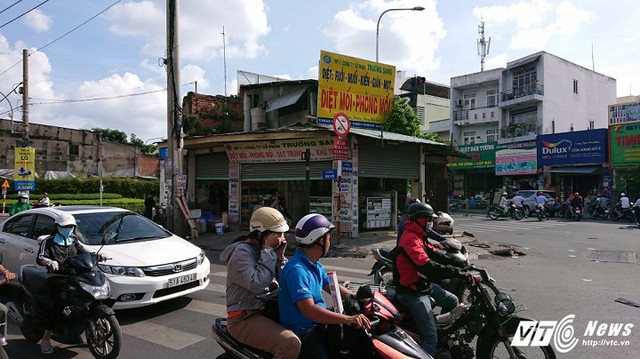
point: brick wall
(216, 114)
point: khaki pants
(258, 331)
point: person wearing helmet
(21, 205)
(302, 306)
(504, 202)
(430, 233)
(576, 202)
(412, 261)
(254, 263)
(624, 205)
(54, 250)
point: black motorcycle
(619, 213)
(87, 312)
(490, 318)
(511, 212)
(541, 212)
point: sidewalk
(347, 247)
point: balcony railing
(527, 90)
(520, 129)
(476, 115)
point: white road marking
(216, 287)
(216, 310)
(161, 335)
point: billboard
(25, 169)
(570, 148)
(482, 156)
(624, 145)
(361, 89)
(518, 158)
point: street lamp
(415, 8)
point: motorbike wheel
(493, 215)
(517, 215)
(104, 337)
(464, 293)
(3, 354)
(490, 346)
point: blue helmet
(312, 227)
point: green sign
(624, 145)
(482, 156)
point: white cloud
(496, 61)
(37, 20)
(408, 39)
(201, 23)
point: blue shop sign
(571, 148)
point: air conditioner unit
(459, 103)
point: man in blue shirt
(302, 307)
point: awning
(578, 170)
(522, 62)
(286, 100)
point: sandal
(46, 351)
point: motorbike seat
(385, 252)
(221, 327)
(34, 280)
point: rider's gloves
(52, 266)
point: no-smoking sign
(341, 124)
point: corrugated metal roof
(286, 100)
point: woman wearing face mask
(21, 205)
(54, 250)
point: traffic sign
(340, 149)
(5, 184)
(329, 174)
(341, 124)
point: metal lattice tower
(483, 45)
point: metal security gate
(291, 171)
(214, 166)
(390, 161)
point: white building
(537, 94)
(430, 101)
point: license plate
(183, 279)
(577, 211)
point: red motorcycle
(384, 340)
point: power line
(60, 37)
(23, 14)
(10, 6)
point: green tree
(402, 119)
(108, 134)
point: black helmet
(419, 209)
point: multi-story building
(536, 95)
(430, 100)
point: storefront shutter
(282, 171)
(391, 161)
(213, 166)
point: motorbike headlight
(121, 270)
(201, 257)
(97, 291)
(505, 304)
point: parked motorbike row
(87, 312)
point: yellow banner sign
(25, 168)
(321, 149)
(362, 89)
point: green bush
(126, 187)
(56, 197)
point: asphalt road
(557, 277)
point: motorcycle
(3, 340)
(619, 213)
(600, 212)
(576, 213)
(541, 212)
(384, 340)
(88, 307)
(489, 317)
(512, 212)
(552, 207)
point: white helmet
(622, 194)
(65, 219)
(312, 227)
(268, 219)
(23, 195)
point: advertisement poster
(624, 113)
(458, 185)
(482, 156)
(569, 148)
(517, 158)
(25, 169)
(280, 150)
(624, 142)
(234, 192)
(361, 89)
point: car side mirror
(42, 238)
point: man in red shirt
(415, 271)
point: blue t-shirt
(300, 279)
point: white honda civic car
(147, 264)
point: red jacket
(415, 260)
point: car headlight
(97, 291)
(201, 257)
(120, 270)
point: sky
(96, 63)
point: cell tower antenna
(483, 45)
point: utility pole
(25, 97)
(173, 164)
(483, 45)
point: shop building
(624, 147)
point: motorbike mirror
(364, 292)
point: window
(74, 149)
(553, 126)
(19, 226)
(525, 84)
(492, 135)
(491, 98)
(470, 101)
(592, 125)
(421, 114)
(44, 225)
(469, 137)
(575, 86)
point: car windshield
(116, 227)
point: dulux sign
(572, 148)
